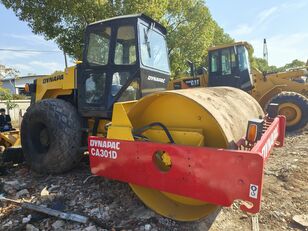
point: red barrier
(217, 176)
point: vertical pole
(265, 52)
(65, 60)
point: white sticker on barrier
(253, 191)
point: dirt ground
(112, 205)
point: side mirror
(201, 71)
(204, 70)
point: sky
(282, 22)
(16, 34)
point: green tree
(191, 28)
(220, 37)
(263, 66)
(8, 71)
(6, 96)
(294, 64)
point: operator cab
(230, 66)
(124, 59)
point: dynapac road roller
(184, 153)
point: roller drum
(219, 114)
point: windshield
(153, 49)
(243, 58)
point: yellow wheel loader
(184, 153)
(10, 147)
(229, 66)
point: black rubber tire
(51, 136)
(298, 99)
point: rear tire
(51, 136)
(295, 107)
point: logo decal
(253, 191)
(156, 79)
(53, 78)
(104, 149)
(269, 143)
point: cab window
(153, 46)
(214, 61)
(98, 47)
(95, 88)
(120, 79)
(225, 62)
(243, 58)
(125, 52)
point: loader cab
(124, 59)
(230, 66)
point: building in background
(16, 85)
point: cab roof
(229, 45)
(131, 16)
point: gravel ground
(111, 205)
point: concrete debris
(13, 183)
(26, 219)
(8, 224)
(53, 188)
(147, 227)
(111, 205)
(44, 192)
(301, 219)
(90, 228)
(58, 224)
(22, 193)
(94, 211)
(30, 227)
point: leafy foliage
(263, 66)
(6, 95)
(7, 71)
(189, 23)
(294, 64)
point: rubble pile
(111, 205)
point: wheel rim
(40, 138)
(292, 113)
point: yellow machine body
(10, 139)
(268, 86)
(56, 85)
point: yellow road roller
(184, 153)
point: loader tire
(295, 107)
(51, 136)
